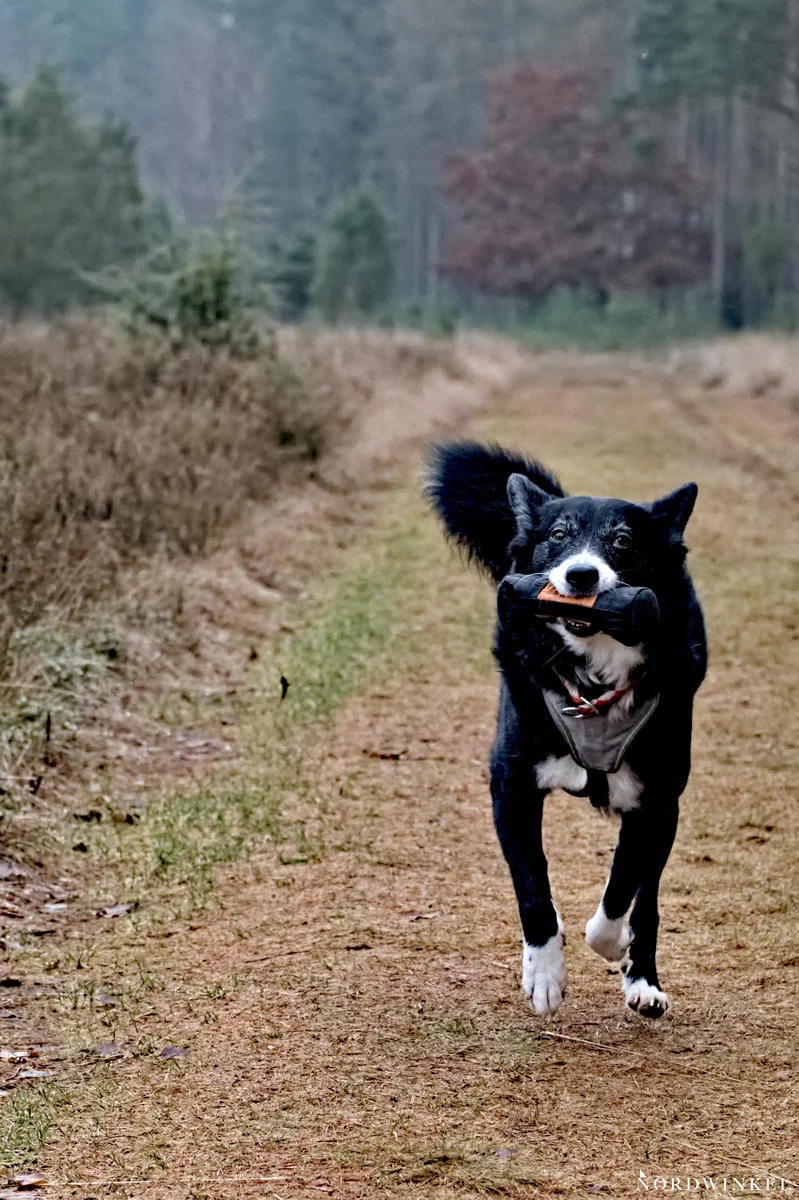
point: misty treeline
(427, 151)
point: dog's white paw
(645, 998)
(544, 974)
(609, 938)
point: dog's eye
(557, 535)
(622, 541)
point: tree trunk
(719, 267)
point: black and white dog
(511, 516)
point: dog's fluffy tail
(467, 486)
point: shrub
(189, 288)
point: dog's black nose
(582, 579)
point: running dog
(578, 709)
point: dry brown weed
(113, 450)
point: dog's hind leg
(645, 842)
(642, 989)
(608, 932)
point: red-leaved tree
(557, 197)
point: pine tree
(713, 48)
(318, 132)
(725, 72)
(70, 198)
(292, 276)
(355, 270)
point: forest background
(400, 161)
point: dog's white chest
(606, 660)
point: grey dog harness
(600, 740)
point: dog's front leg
(518, 808)
(645, 842)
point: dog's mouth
(575, 596)
(572, 623)
(578, 628)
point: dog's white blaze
(606, 660)
(641, 995)
(624, 789)
(609, 938)
(607, 576)
(544, 973)
(561, 772)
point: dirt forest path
(350, 1007)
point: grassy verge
(125, 466)
(339, 638)
(347, 637)
(116, 454)
(165, 856)
(380, 619)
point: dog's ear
(467, 485)
(674, 511)
(525, 499)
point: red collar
(595, 708)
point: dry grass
(753, 364)
(371, 354)
(113, 450)
(352, 1007)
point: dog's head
(587, 545)
(510, 514)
